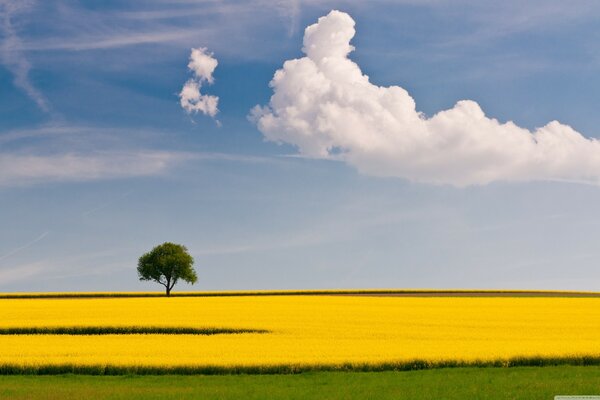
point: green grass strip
(414, 365)
(123, 330)
(526, 383)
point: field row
(262, 369)
(367, 292)
(123, 330)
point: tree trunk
(168, 286)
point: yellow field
(304, 330)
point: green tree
(167, 264)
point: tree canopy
(166, 264)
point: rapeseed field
(295, 331)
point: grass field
(528, 383)
(293, 333)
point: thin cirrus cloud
(202, 64)
(24, 246)
(78, 153)
(109, 41)
(325, 106)
(61, 152)
(26, 169)
(12, 53)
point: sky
(301, 144)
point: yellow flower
(303, 330)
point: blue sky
(99, 163)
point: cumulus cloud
(202, 64)
(325, 106)
(192, 101)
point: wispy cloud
(491, 21)
(26, 169)
(61, 152)
(222, 24)
(23, 247)
(61, 267)
(186, 9)
(109, 41)
(21, 272)
(44, 131)
(12, 51)
(347, 223)
(106, 204)
(291, 10)
(77, 153)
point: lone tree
(166, 264)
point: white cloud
(202, 64)
(192, 100)
(325, 106)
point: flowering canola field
(317, 330)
